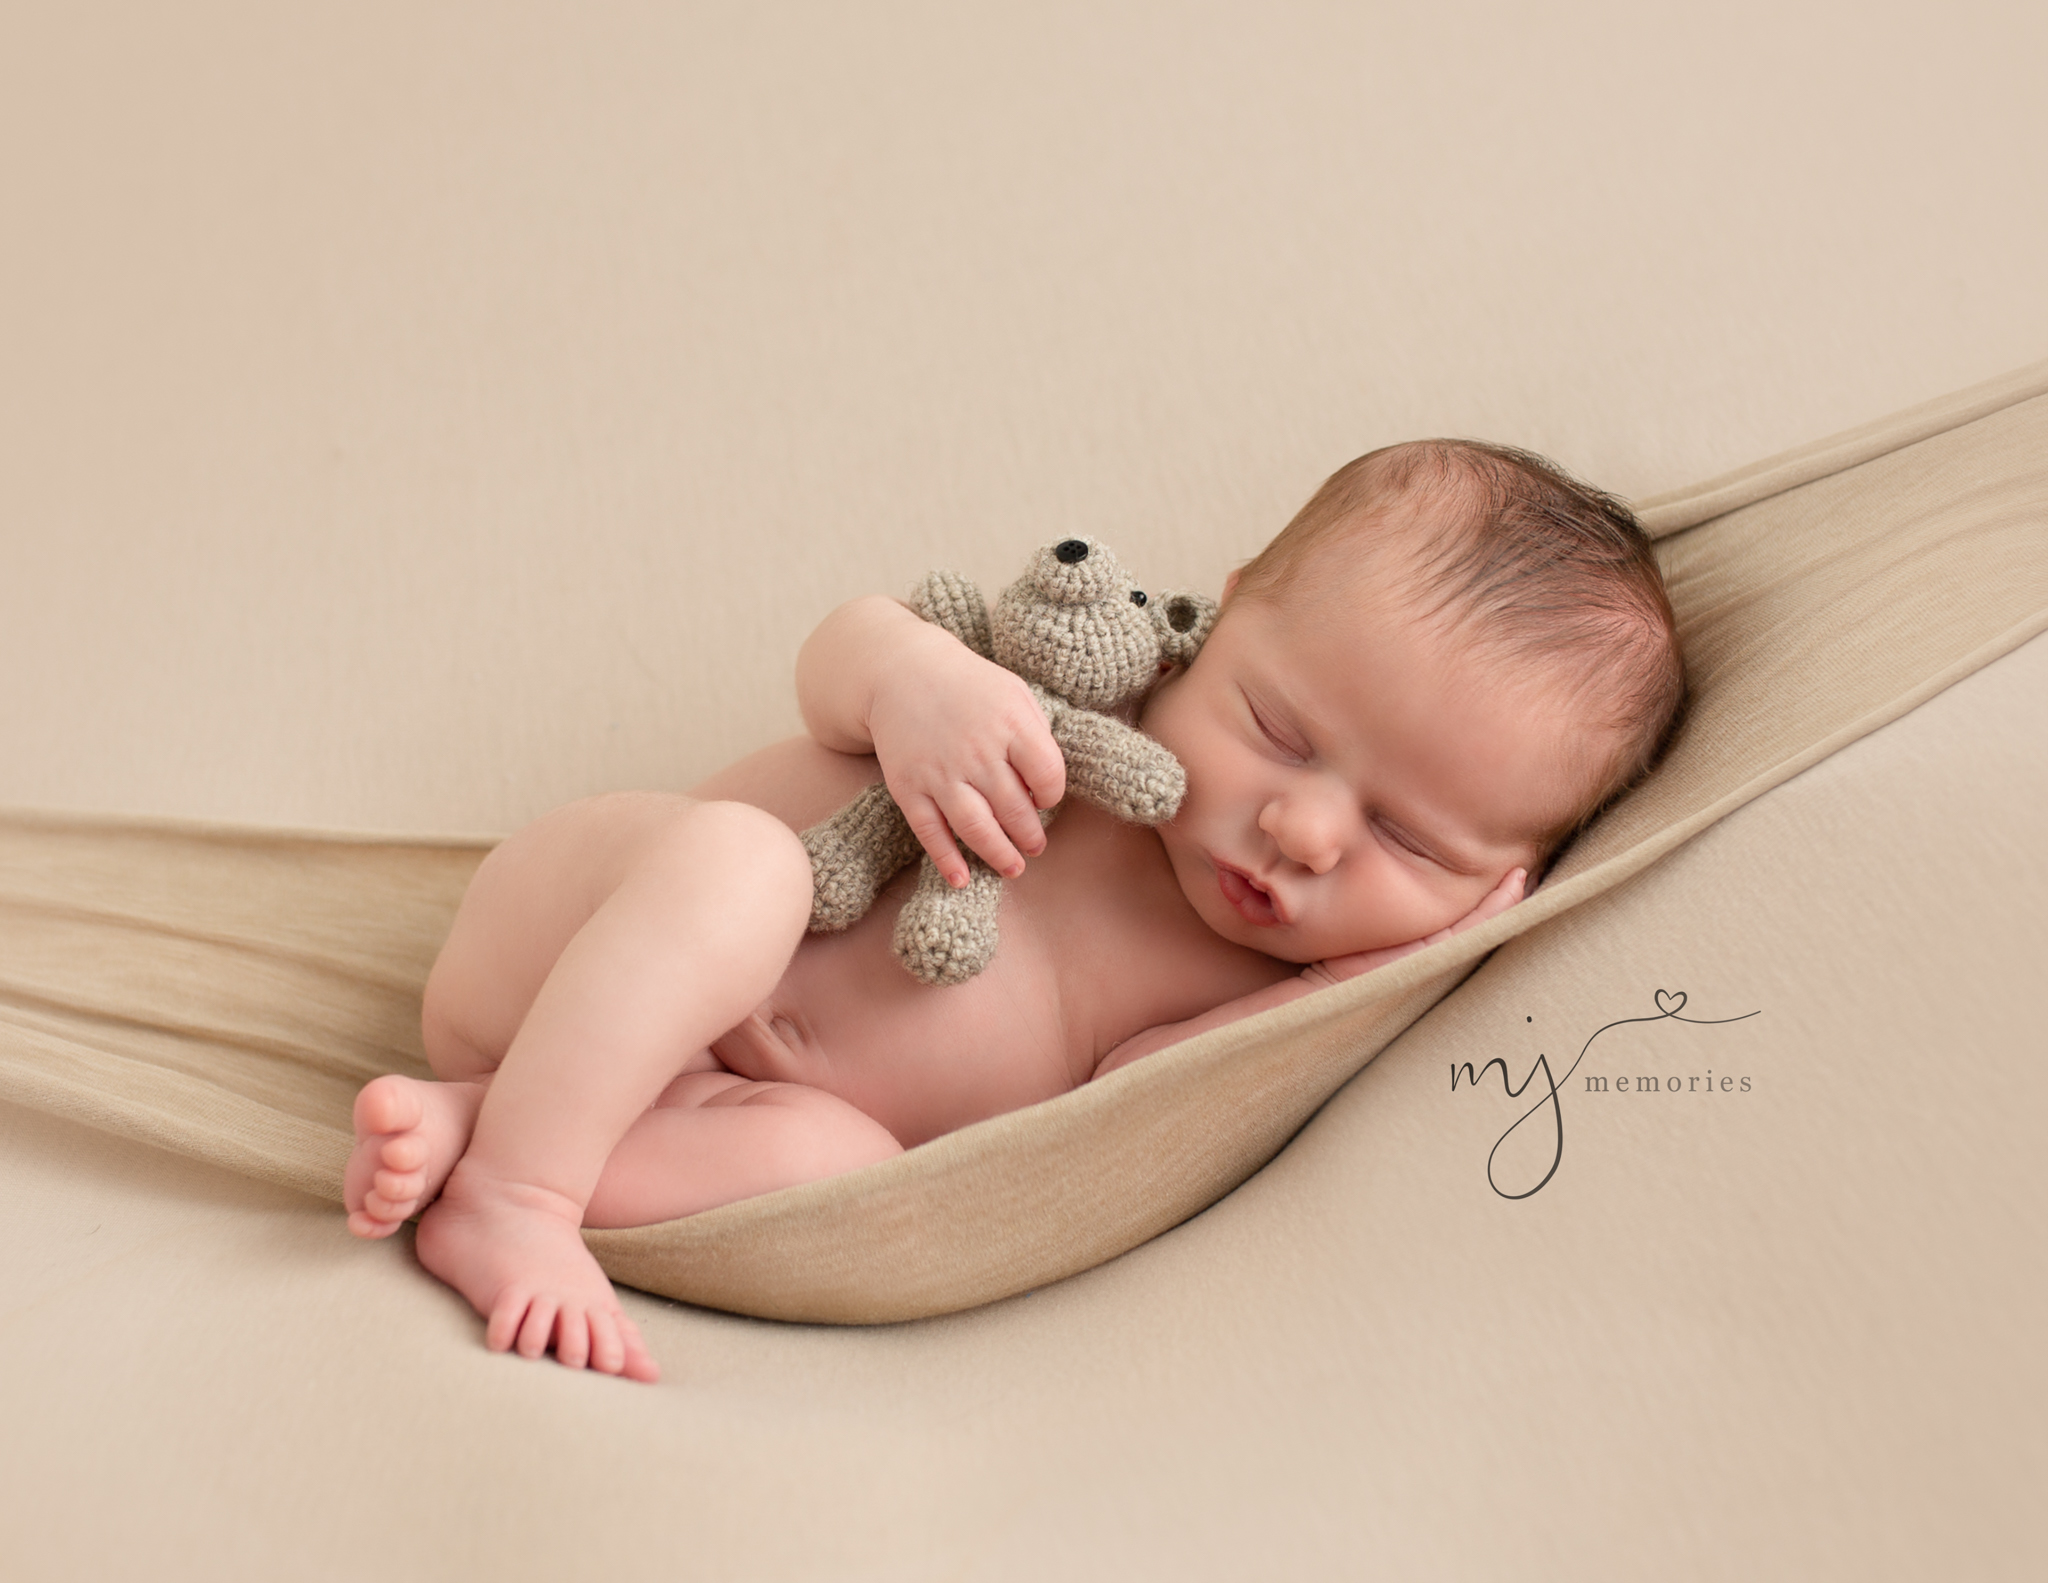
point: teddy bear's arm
(1114, 766)
(948, 600)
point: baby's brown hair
(1534, 566)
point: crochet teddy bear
(1089, 642)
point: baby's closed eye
(1443, 858)
(1282, 737)
(1394, 835)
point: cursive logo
(1670, 1003)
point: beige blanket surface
(225, 992)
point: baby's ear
(1184, 621)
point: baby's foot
(409, 1135)
(516, 1252)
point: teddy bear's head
(1078, 625)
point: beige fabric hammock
(224, 991)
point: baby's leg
(716, 1137)
(616, 938)
(713, 1138)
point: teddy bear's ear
(1183, 621)
(946, 599)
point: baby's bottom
(596, 956)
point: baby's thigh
(534, 892)
(715, 1137)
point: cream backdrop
(414, 416)
(417, 416)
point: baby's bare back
(1098, 944)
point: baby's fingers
(1510, 890)
(1040, 766)
(929, 825)
(1015, 809)
(1491, 905)
(976, 824)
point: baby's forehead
(1386, 634)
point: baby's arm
(962, 744)
(1317, 975)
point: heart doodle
(1675, 999)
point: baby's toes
(392, 1212)
(387, 1104)
(502, 1329)
(635, 1361)
(572, 1338)
(398, 1188)
(406, 1152)
(607, 1351)
(538, 1328)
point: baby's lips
(1251, 900)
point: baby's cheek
(1406, 906)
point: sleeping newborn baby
(1443, 667)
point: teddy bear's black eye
(1138, 597)
(1069, 551)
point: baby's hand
(1496, 901)
(966, 753)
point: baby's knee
(822, 1136)
(749, 853)
(454, 1052)
(760, 840)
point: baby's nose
(1305, 833)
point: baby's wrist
(905, 661)
(893, 642)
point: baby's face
(1354, 780)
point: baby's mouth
(1253, 902)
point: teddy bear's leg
(946, 936)
(853, 855)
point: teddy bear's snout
(1080, 572)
